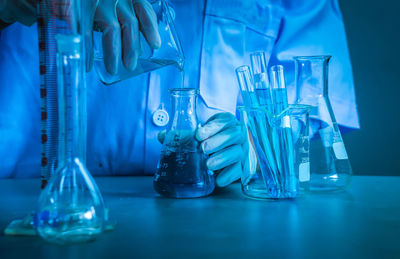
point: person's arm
(315, 27)
(22, 11)
(120, 22)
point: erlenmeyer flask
(169, 53)
(329, 163)
(71, 206)
(182, 170)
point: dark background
(373, 34)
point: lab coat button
(160, 117)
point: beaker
(261, 177)
(71, 206)
(182, 170)
(329, 163)
(170, 52)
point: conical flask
(182, 170)
(71, 207)
(330, 168)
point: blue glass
(260, 127)
(268, 125)
(258, 178)
(284, 131)
(182, 170)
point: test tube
(264, 96)
(260, 124)
(246, 86)
(260, 75)
(286, 154)
(279, 93)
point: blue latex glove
(221, 138)
(120, 22)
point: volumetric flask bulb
(182, 170)
(71, 207)
(329, 164)
(169, 52)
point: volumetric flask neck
(182, 170)
(311, 78)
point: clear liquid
(330, 168)
(72, 225)
(182, 72)
(255, 188)
(275, 149)
(143, 66)
(275, 154)
(183, 175)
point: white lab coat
(216, 35)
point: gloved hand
(23, 11)
(120, 22)
(221, 138)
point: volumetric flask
(182, 170)
(71, 206)
(261, 176)
(330, 166)
(169, 53)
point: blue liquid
(285, 149)
(260, 129)
(183, 175)
(280, 99)
(264, 98)
(249, 99)
(287, 161)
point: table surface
(363, 221)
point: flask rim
(184, 91)
(323, 57)
(293, 109)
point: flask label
(339, 150)
(304, 172)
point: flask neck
(71, 100)
(184, 101)
(311, 79)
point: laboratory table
(363, 221)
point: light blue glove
(120, 22)
(221, 138)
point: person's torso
(216, 35)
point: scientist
(217, 36)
